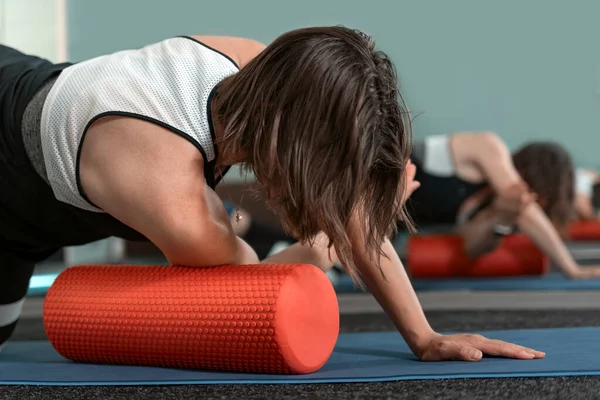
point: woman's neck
(227, 156)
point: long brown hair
(320, 119)
(548, 169)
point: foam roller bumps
(278, 319)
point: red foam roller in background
(280, 319)
(443, 256)
(584, 230)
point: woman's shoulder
(122, 153)
(239, 49)
(151, 180)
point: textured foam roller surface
(443, 256)
(277, 319)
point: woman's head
(548, 169)
(319, 119)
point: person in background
(472, 181)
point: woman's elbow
(200, 247)
(493, 147)
(197, 259)
(214, 254)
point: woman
(132, 144)
(488, 193)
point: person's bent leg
(317, 254)
(15, 274)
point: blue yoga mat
(358, 357)
(552, 281)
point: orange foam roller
(278, 319)
(442, 256)
(584, 230)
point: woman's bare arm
(157, 187)
(395, 294)
(584, 208)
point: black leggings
(15, 273)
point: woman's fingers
(505, 349)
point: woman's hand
(469, 347)
(585, 273)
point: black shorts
(33, 224)
(439, 198)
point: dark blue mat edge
(307, 381)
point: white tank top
(438, 156)
(169, 83)
(584, 182)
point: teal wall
(526, 69)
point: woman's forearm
(534, 223)
(584, 207)
(392, 290)
(395, 294)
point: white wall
(36, 27)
